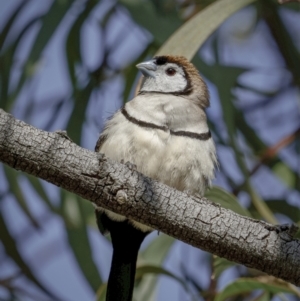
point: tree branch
(198, 222)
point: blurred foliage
(249, 162)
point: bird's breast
(180, 162)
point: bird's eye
(170, 71)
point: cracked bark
(112, 185)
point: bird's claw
(130, 165)
(63, 134)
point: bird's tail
(126, 241)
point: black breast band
(203, 136)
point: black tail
(126, 241)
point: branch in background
(287, 1)
(198, 222)
(271, 152)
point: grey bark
(198, 222)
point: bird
(163, 133)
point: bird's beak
(147, 68)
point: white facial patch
(162, 82)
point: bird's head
(170, 74)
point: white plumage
(180, 161)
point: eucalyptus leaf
(188, 38)
(266, 283)
(6, 56)
(12, 251)
(10, 22)
(283, 207)
(76, 120)
(39, 189)
(282, 37)
(152, 269)
(50, 22)
(158, 249)
(7, 63)
(282, 170)
(285, 174)
(266, 296)
(225, 78)
(76, 213)
(220, 265)
(154, 254)
(226, 200)
(15, 189)
(73, 41)
(161, 24)
(101, 292)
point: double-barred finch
(164, 132)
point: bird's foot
(130, 165)
(188, 192)
(193, 194)
(63, 134)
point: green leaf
(158, 249)
(81, 95)
(258, 147)
(220, 265)
(101, 292)
(7, 55)
(11, 250)
(261, 206)
(196, 31)
(14, 187)
(76, 213)
(266, 283)
(268, 94)
(292, 6)
(154, 254)
(10, 22)
(225, 78)
(285, 174)
(158, 270)
(39, 189)
(145, 14)
(7, 64)
(226, 200)
(81, 100)
(50, 23)
(283, 207)
(281, 36)
(266, 296)
(73, 40)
